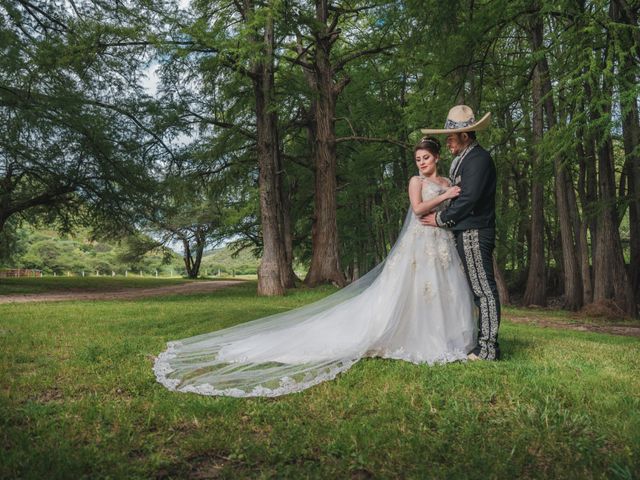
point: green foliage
(51, 252)
(225, 261)
(13, 243)
(76, 144)
(78, 379)
(181, 167)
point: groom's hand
(429, 220)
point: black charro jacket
(476, 205)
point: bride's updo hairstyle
(432, 144)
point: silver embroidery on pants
(481, 289)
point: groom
(471, 217)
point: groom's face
(456, 143)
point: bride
(414, 306)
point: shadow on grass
(513, 348)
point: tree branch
(355, 138)
(339, 86)
(45, 198)
(340, 64)
(30, 96)
(343, 11)
(28, 6)
(220, 123)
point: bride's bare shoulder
(415, 180)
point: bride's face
(426, 162)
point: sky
(150, 80)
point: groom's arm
(476, 177)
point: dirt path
(128, 294)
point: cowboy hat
(461, 119)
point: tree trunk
(580, 232)
(503, 291)
(192, 265)
(610, 276)
(588, 193)
(523, 186)
(325, 260)
(631, 136)
(290, 277)
(535, 293)
(272, 276)
(6, 186)
(591, 187)
(611, 280)
(572, 284)
(186, 257)
(287, 274)
(200, 243)
(583, 245)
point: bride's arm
(415, 196)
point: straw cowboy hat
(461, 119)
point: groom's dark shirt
(475, 207)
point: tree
(610, 277)
(69, 146)
(226, 56)
(187, 212)
(626, 38)
(535, 293)
(326, 78)
(563, 186)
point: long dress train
(414, 306)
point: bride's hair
(428, 143)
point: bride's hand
(452, 192)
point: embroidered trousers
(475, 248)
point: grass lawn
(78, 399)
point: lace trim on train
(401, 354)
(162, 369)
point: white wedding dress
(415, 306)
